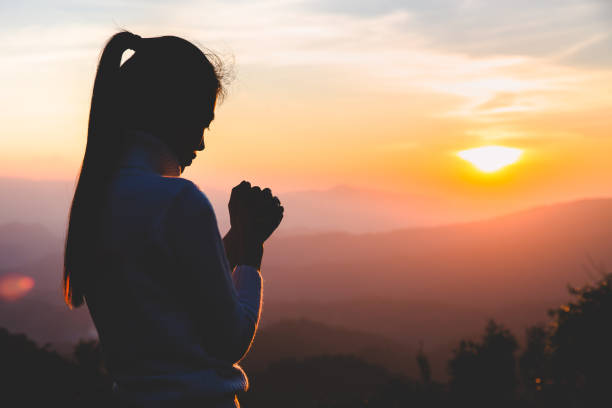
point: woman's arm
(237, 252)
(226, 306)
(229, 244)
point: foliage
(533, 362)
(35, 375)
(484, 373)
(581, 343)
(424, 366)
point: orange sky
(379, 96)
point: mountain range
(433, 285)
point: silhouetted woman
(176, 306)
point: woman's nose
(201, 145)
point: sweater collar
(149, 153)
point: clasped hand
(254, 215)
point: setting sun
(491, 158)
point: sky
(376, 95)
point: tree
(34, 376)
(424, 366)
(534, 362)
(484, 373)
(97, 383)
(581, 342)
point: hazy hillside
(434, 285)
(42, 313)
(523, 257)
(302, 338)
(23, 243)
(29, 201)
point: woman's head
(169, 88)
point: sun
(491, 158)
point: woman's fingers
(240, 193)
(258, 206)
(264, 197)
(267, 194)
(243, 186)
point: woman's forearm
(239, 252)
(229, 242)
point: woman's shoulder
(189, 197)
(190, 213)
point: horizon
(313, 211)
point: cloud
(480, 28)
(492, 66)
(499, 101)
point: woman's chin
(184, 165)
(187, 160)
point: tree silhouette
(33, 375)
(533, 362)
(484, 373)
(39, 376)
(98, 384)
(581, 344)
(424, 366)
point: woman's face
(195, 144)
(192, 138)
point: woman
(176, 307)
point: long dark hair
(167, 84)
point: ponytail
(99, 162)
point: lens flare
(491, 158)
(14, 287)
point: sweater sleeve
(226, 306)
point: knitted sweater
(173, 319)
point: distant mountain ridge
(336, 208)
(340, 208)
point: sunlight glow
(491, 158)
(14, 286)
